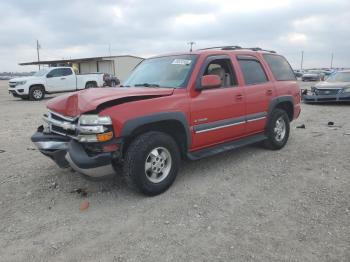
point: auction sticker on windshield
(181, 62)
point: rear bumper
(325, 98)
(66, 152)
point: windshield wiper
(147, 85)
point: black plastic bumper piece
(83, 160)
(52, 146)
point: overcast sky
(86, 28)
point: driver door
(61, 79)
(218, 114)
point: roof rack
(236, 47)
(232, 47)
(260, 49)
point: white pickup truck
(52, 80)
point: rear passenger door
(258, 90)
(217, 114)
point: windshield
(41, 72)
(339, 77)
(169, 71)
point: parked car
(52, 80)
(298, 73)
(313, 75)
(335, 88)
(173, 107)
(110, 80)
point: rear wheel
(90, 85)
(277, 130)
(151, 163)
(36, 93)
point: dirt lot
(247, 205)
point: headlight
(94, 128)
(21, 83)
(94, 120)
(346, 90)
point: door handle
(269, 92)
(62, 78)
(239, 97)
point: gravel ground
(246, 205)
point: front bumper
(313, 98)
(66, 152)
(17, 93)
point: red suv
(173, 107)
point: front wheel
(36, 93)
(151, 163)
(277, 130)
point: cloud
(87, 28)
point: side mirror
(210, 81)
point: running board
(226, 146)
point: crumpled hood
(74, 104)
(335, 85)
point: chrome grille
(326, 91)
(12, 84)
(61, 125)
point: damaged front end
(325, 95)
(85, 143)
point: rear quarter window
(280, 68)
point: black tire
(137, 156)
(90, 85)
(275, 140)
(36, 93)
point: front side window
(56, 72)
(168, 71)
(252, 70)
(280, 68)
(223, 69)
(66, 71)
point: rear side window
(280, 67)
(252, 70)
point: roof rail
(236, 47)
(260, 49)
(226, 47)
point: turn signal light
(104, 137)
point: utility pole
(332, 60)
(191, 45)
(37, 50)
(302, 60)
